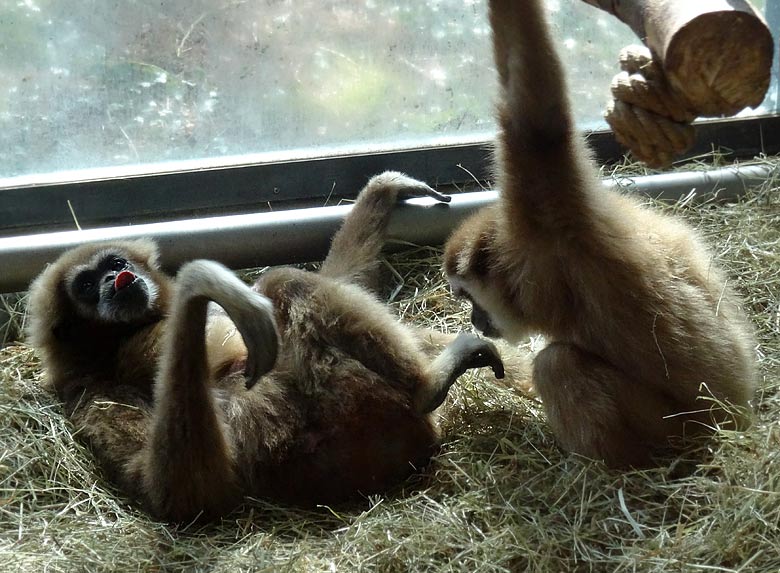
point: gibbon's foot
(261, 341)
(467, 351)
(477, 352)
(408, 187)
(250, 311)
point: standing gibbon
(647, 344)
(304, 389)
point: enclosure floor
(500, 496)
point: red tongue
(123, 279)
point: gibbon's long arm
(188, 437)
(354, 251)
(115, 421)
(536, 138)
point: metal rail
(254, 240)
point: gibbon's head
(473, 269)
(107, 283)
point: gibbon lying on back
(643, 330)
(324, 395)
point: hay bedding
(500, 497)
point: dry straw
(500, 496)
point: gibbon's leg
(354, 251)
(354, 255)
(188, 464)
(517, 361)
(581, 396)
(465, 352)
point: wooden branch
(717, 54)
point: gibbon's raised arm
(537, 133)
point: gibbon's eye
(460, 292)
(84, 286)
(118, 264)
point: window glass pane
(106, 83)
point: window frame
(250, 188)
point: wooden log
(717, 54)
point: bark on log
(717, 54)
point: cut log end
(721, 61)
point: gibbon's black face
(480, 318)
(481, 321)
(111, 288)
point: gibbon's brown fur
(646, 341)
(163, 388)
